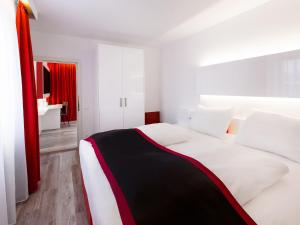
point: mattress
(276, 205)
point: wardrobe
(121, 87)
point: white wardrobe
(121, 87)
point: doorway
(56, 89)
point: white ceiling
(135, 21)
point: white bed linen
(271, 132)
(277, 205)
(165, 133)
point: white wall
(84, 51)
(152, 79)
(268, 29)
(275, 75)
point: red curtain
(29, 99)
(63, 87)
(39, 79)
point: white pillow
(165, 134)
(211, 121)
(246, 179)
(271, 132)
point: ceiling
(135, 21)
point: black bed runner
(154, 185)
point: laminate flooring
(59, 200)
(60, 139)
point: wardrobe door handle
(125, 102)
(121, 102)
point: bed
(274, 204)
(259, 165)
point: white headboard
(244, 105)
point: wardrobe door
(133, 86)
(110, 87)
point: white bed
(278, 204)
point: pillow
(165, 134)
(271, 132)
(211, 121)
(247, 178)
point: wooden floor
(59, 200)
(59, 139)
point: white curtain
(3, 204)
(11, 117)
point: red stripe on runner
(124, 209)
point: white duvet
(249, 175)
(244, 173)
